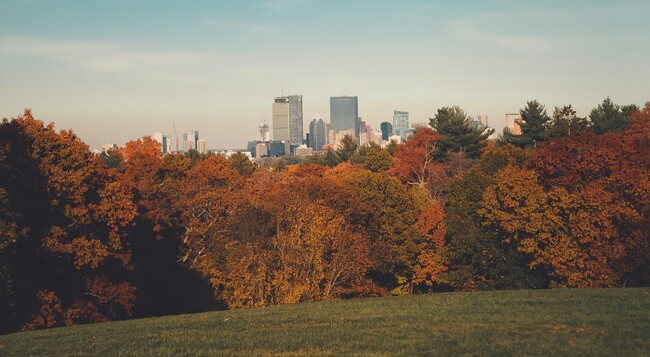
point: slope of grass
(559, 322)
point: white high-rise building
(165, 141)
(190, 140)
(401, 124)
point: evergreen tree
(534, 124)
(609, 117)
(565, 122)
(458, 133)
(347, 148)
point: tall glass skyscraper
(344, 114)
(386, 130)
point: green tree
(375, 159)
(565, 122)
(347, 148)
(534, 126)
(458, 134)
(476, 256)
(112, 159)
(240, 162)
(331, 158)
(608, 117)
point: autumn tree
(415, 159)
(476, 256)
(457, 133)
(68, 250)
(396, 241)
(286, 247)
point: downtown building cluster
(287, 135)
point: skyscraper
(386, 130)
(344, 114)
(317, 134)
(295, 120)
(281, 118)
(165, 140)
(190, 140)
(287, 119)
(401, 123)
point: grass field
(559, 322)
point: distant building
(279, 148)
(201, 146)
(512, 123)
(252, 147)
(190, 140)
(295, 120)
(165, 141)
(264, 131)
(281, 118)
(401, 124)
(317, 134)
(287, 119)
(303, 151)
(344, 114)
(261, 150)
(335, 137)
(386, 130)
(107, 147)
(483, 119)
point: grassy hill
(576, 322)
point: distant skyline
(114, 71)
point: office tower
(281, 119)
(295, 120)
(165, 141)
(317, 134)
(201, 146)
(512, 123)
(264, 132)
(287, 119)
(344, 114)
(190, 140)
(386, 130)
(401, 124)
(483, 119)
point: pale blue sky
(118, 70)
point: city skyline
(117, 71)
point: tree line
(133, 233)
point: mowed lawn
(613, 322)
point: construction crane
(176, 135)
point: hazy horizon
(116, 71)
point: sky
(114, 71)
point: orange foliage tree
(73, 247)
